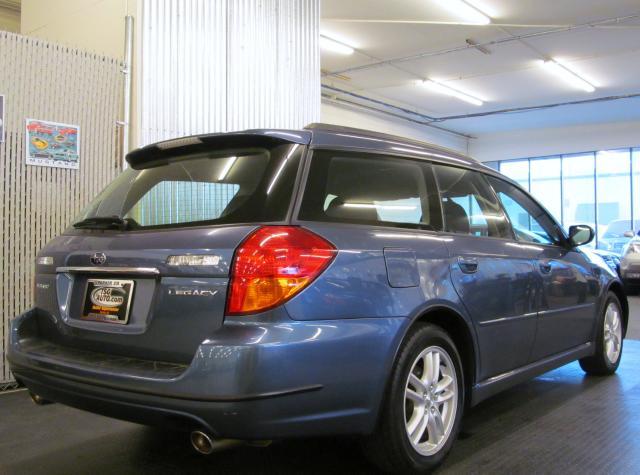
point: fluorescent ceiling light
(336, 46)
(567, 75)
(227, 168)
(376, 206)
(449, 91)
(466, 10)
(282, 165)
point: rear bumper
(630, 268)
(254, 380)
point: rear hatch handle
(108, 270)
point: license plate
(107, 300)
(633, 275)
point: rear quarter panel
(356, 286)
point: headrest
(455, 218)
(338, 210)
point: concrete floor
(562, 422)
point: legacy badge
(193, 292)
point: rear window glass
(217, 187)
(371, 189)
(173, 202)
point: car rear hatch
(144, 271)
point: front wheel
(608, 340)
(423, 407)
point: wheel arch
(461, 332)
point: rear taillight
(272, 265)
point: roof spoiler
(160, 152)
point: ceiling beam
(334, 93)
(514, 110)
(477, 25)
(342, 101)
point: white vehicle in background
(617, 235)
(630, 264)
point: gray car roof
(327, 135)
(318, 135)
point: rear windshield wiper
(106, 222)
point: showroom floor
(561, 422)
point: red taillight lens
(272, 265)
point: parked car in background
(617, 235)
(332, 281)
(611, 259)
(630, 265)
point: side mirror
(629, 234)
(580, 234)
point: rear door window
(469, 206)
(371, 189)
(529, 221)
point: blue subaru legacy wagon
(270, 284)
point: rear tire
(609, 340)
(423, 405)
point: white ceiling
(510, 77)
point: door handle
(468, 265)
(545, 267)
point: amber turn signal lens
(272, 265)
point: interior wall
(349, 116)
(9, 20)
(552, 141)
(38, 202)
(97, 27)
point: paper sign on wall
(51, 144)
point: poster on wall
(51, 144)
(1, 118)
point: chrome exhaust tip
(205, 444)
(202, 442)
(38, 400)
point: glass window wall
(545, 184)
(601, 189)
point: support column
(223, 65)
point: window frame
(311, 152)
(562, 242)
(300, 157)
(428, 173)
(482, 176)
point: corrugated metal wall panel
(215, 66)
(44, 81)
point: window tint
(468, 204)
(214, 187)
(372, 189)
(174, 202)
(530, 222)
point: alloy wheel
(612, 333)
(430, 400)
